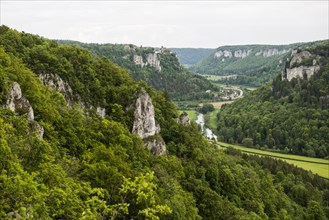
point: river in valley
(205, 131)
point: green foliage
(173, 78)
(88, 167)
(190, 56)
(253, 70)
(207, 107)
(285, 116)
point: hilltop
(159, 67)
(290, 114)
(251, 65)
(80, 139)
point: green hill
(159, 67)
(290, 114)
(63, 157)
(190, 56)
(254, 65)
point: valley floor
(315, 165)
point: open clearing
(315, 165)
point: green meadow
(315, 165)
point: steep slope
(190, 56)
(291, 113)
(160, 68)
(251, 65)
(89, 165)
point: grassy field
(192, 114)
(211, 119)
(316, 165)
(216, 77)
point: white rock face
(138, 60)
(20, 105)
(145, 125)
(153, 60)
(17, 101)
(101, 112)
(301, 71)
(184, 119)
(271, 52)
(225, 53)
(55, 82)
(242, 53)
(218, 54)
(15, 94)
(296, 70)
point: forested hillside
(190, 56)
(251, 65)
(160, 68)
(67, 150)
(290, 114)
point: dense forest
(287, 116)
(252, 65)
(169, 76)
(84, 166)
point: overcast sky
(171, 23)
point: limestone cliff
(151, 59)
(302, 65)
(55, 82)
(242, 53)
(145, 125)
(20, 105)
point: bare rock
(184, 119)
(101, 112)
(302, 65)
(18, 103)
(138, 60)
(145, 125)
(153, 60)
(55, 82)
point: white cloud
(171, 24)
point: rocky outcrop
(249, 52)
(302, 65)
(153, 60)
(145, 125)
(138, 60)
(184, 119)
(271, 52)
(225, 53)
(101, 112)
(242, 53)
(55, 82)
(18, 103)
